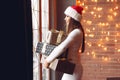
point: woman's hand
(46, 64)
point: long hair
(78, 25)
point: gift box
(52, 37)
(61, 37)
(63, 66)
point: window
(40, 21)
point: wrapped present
(52, 37)
(44, 48)
(61, 37)
(64, 66)
(61, 63)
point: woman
(74, 42)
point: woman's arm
(63, 46)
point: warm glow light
(93, 29)
(94, 0)
(86, 7)
(78, 2)
(116, 7)
(93, 52)
(105, 58)
(94, 56)
(107, 24)
(91, 35)
(105, 49)
(112, 0)
(99, 23)
(82, 4)
(111, 10)
(103, 22)
(88, 53)
(107, 39)
(99, 45)
(88, 30)
(89, 22)
(115, 40)
(92, 12)
(101, 39)
(84, 21)
(99, 9)
(110, 18)
(118, 60)
(89, 44)
(118, 50)
(118, 34)
(115, 0)
(84, 11)
(79, 50)
(117, 25)
(115, 13)
(94, 8)
(99, 16)
(108, 33)
(95, 16)
(86, 35)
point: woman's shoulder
(75, 32)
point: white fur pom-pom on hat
(75, 12)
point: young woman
(74, 42)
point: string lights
(105, 30)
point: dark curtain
(16, 40)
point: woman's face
(67, 20)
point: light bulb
(118, 50)
(115, 13)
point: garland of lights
(105, 35)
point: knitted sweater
(73, 42)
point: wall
(102, 27)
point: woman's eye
(66, 16)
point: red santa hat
(75, 12)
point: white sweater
(73, 42)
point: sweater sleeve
(63, 46)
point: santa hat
(75, 12)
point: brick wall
(101, 21)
